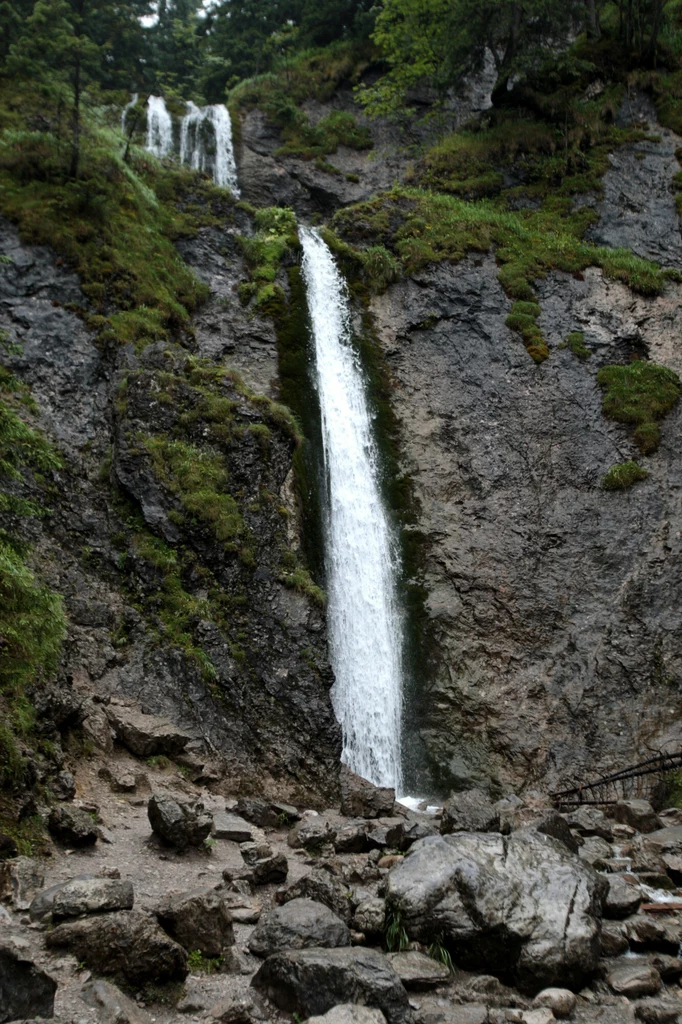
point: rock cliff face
(554, 607)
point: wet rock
(361, 799)
(181, 825)
(470, 811)
(370, 917)
(654, 931)
(72, 826)
(111, 1005)
(521, 906)
(146, 735)
(413, 831)
(638, 814)
(669, 967)
(312, 833)
(622, 899)
(590, 821)
(543, 819)
(418, 971)
(350, 1013)
(658, 1011)
(198, 920)
(595, 851)
(322, 887)
(312, 981)
(614, 941)
(635, 980)
(26, 991)
(127, 944)
(298, 924)
(21, 879)
(91, 896)
(232, 827)
(561, 1001)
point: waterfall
(159, 127)
(129, 106)
(364, 621)
(206, 143)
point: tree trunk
(76, 135)
(592, 20)
(655, 28)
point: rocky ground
(164, 899)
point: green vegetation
(439, 951)
(395, 933)
(642, 393)
(575, 341)
(523, 318)
(200, 964)
(276, 233)
(623, 475)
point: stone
(234, 1011)
(595, 851)
(590, 821)
(361, 799)
(8, 847)
(370, 917)
(351, 837)
(96, 728)
(21, 879)
(350, 1013)
(654, 931)
(63, 785)
(622, 899)
(180, 825)
(146, 735)
(112, 1006)
(312, 833)
(255, 851)
(26, 991)
(127, 944)
(415, 830)
(546, 820)
(41, 905)
(322, 887)
(287, 814)
(561, 1001)
(635, 980)
(658, 1011)
(613, 939)
(669, 967)
(298, 924)
(72, 826)
(243, 909)
(418, 971)
(638, 814)
(120, 778)
(542, 1015)
(197, 920)
(312, 981)
(232, 827)
(386, 833)
(521, 906)
(91, 896)
(270, 870)
(260, 812)
(470, 811)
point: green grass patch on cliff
(623, 475)
(276, 233)
(641, 393)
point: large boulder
(25, 990)
(91, 896)
(312, 833)
(111, 1005)
(181, 825)
(322, 887)
(21, 879)
(361, 799)
(312, 981)
(72, 825)
(128, 945)
(470, 811)
(622, 899)
(198, 920)
(299, 924)
(520, 906)
(232, 827)
(637, 814)
(146, 735)
(590, 821)
(417, 970)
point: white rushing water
(206, 143)
(159, 127)
(364, 622)
(129, 106)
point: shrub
(642, 393)
(623, 475)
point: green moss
(275, 235)
(640, 393)
(523, 319)
(575, 341)
(298, 578)
(623, 475)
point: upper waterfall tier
(205, 139)
(159, 127)
(364, 622)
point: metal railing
(622, 785)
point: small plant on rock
(439, 951)
(200, 964)
(395, 934)
(623, 475)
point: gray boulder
(197, 920)
(370, 917)
(312, 981)
(260, 812)
(72, 825)
(351, 837)
(622, 899)
(41, 905)
(21, 879)
(111, 1005)
(146, 735)
(590, 821)
(350, 1013)
(299, 924)
(417, 970)
(546, 820)
(321, 887)
(181, 825)
(520, 906)
(312, 833)
(635, 980)
(232, 827)
(470, 811)
(361, 799)
(127, 945)
(637, 814)
(25, 990)
(91, 896)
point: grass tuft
(623, 475)
(642, 393)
